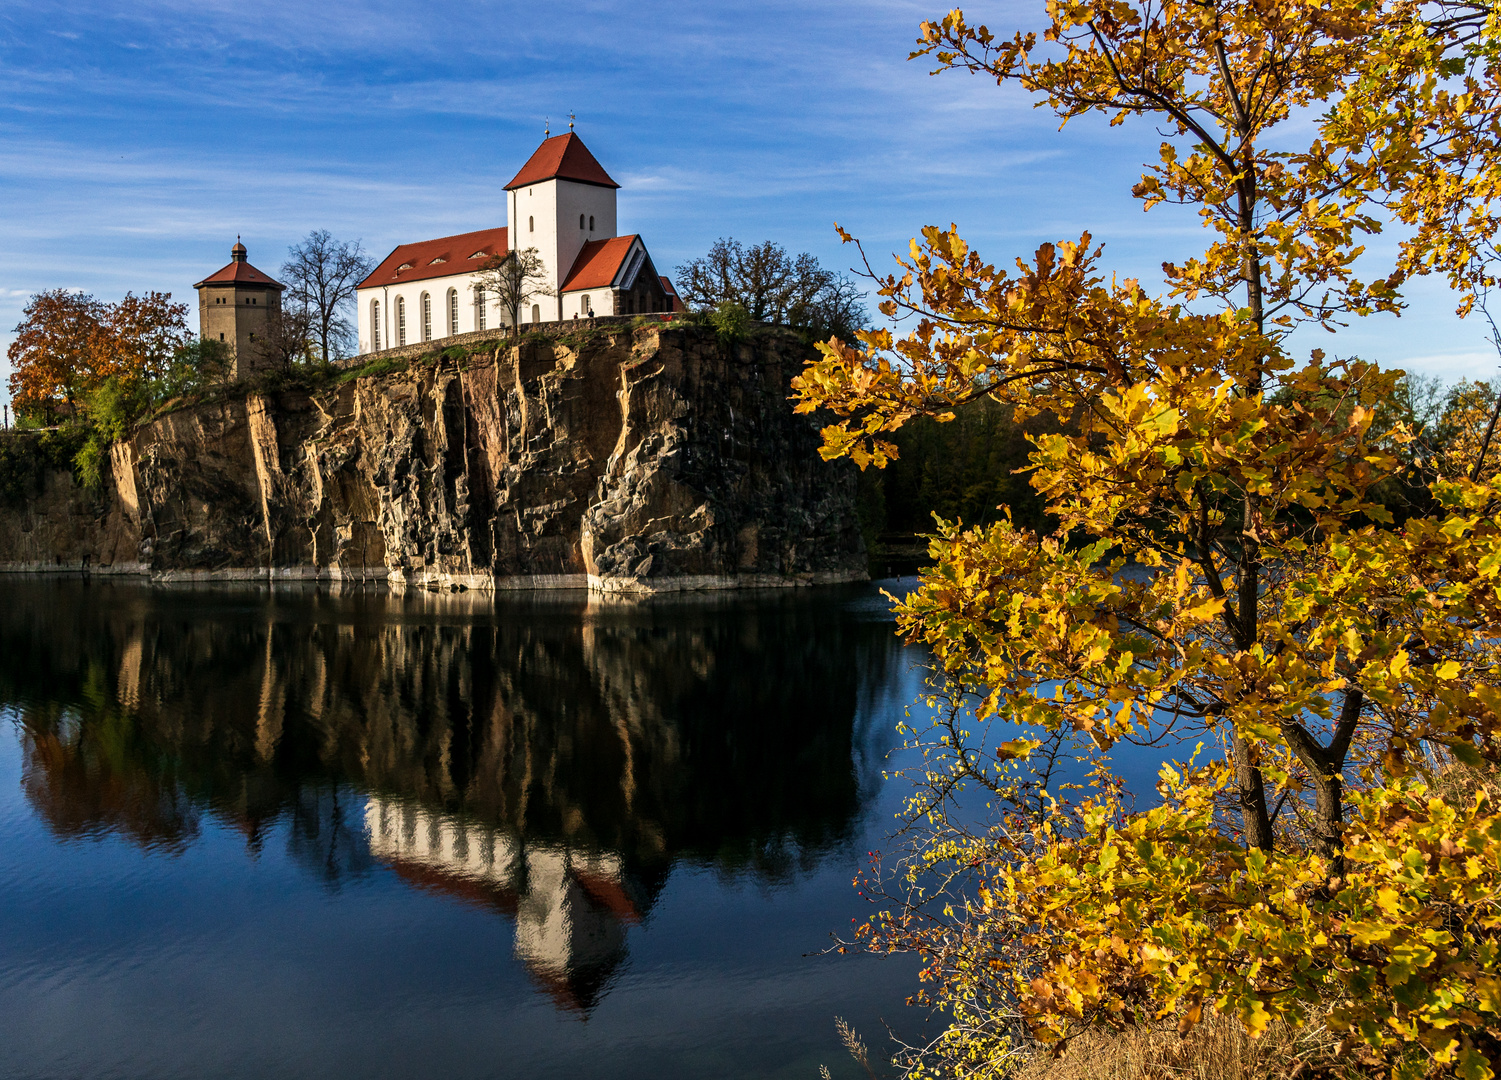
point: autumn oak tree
(59, 343)
(68, 343)
(1221, 575)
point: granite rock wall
(626, 459)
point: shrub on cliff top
(383, 366)
(112, 411)
(730, 321)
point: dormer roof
(443, 257)
(562, 157)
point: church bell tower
(560, 200)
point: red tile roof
(438, 258)
(562, 157)
(672, 294)
(598, 263)
(240, 272)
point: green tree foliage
(970, 469)
(729, 320)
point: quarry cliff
(625, 459)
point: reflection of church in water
(570, 907)
(551, 764)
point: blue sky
(137, 140)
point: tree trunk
(1256, 822)
(1329, 814)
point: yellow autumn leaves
(1221, 573)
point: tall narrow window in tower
(401, 320)
(375, 324)
(479, 309)
(591, 222)
(531, 224)
(427, 317)
(453, 312)
(581, 221)
(536, 314)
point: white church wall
(411, 292)
(535, 224)
(576, 305)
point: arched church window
(536, 314)
(531, 224)
(427, 317)
(581, 221)
(591, 222)
(479, 308)
(401, 320)
(375, 323)
(453, 311)
(584, 304)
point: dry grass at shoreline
(1218, 1049)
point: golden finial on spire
(570, 121)
(547, 129)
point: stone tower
(239, 306)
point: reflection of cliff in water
(551, 760)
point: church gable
(614, 277)
(600, 263)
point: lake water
(250, 833)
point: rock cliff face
(628, 460)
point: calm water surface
(253, 833)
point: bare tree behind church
(321, 277)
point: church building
(562, 203)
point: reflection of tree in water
(548, 760)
